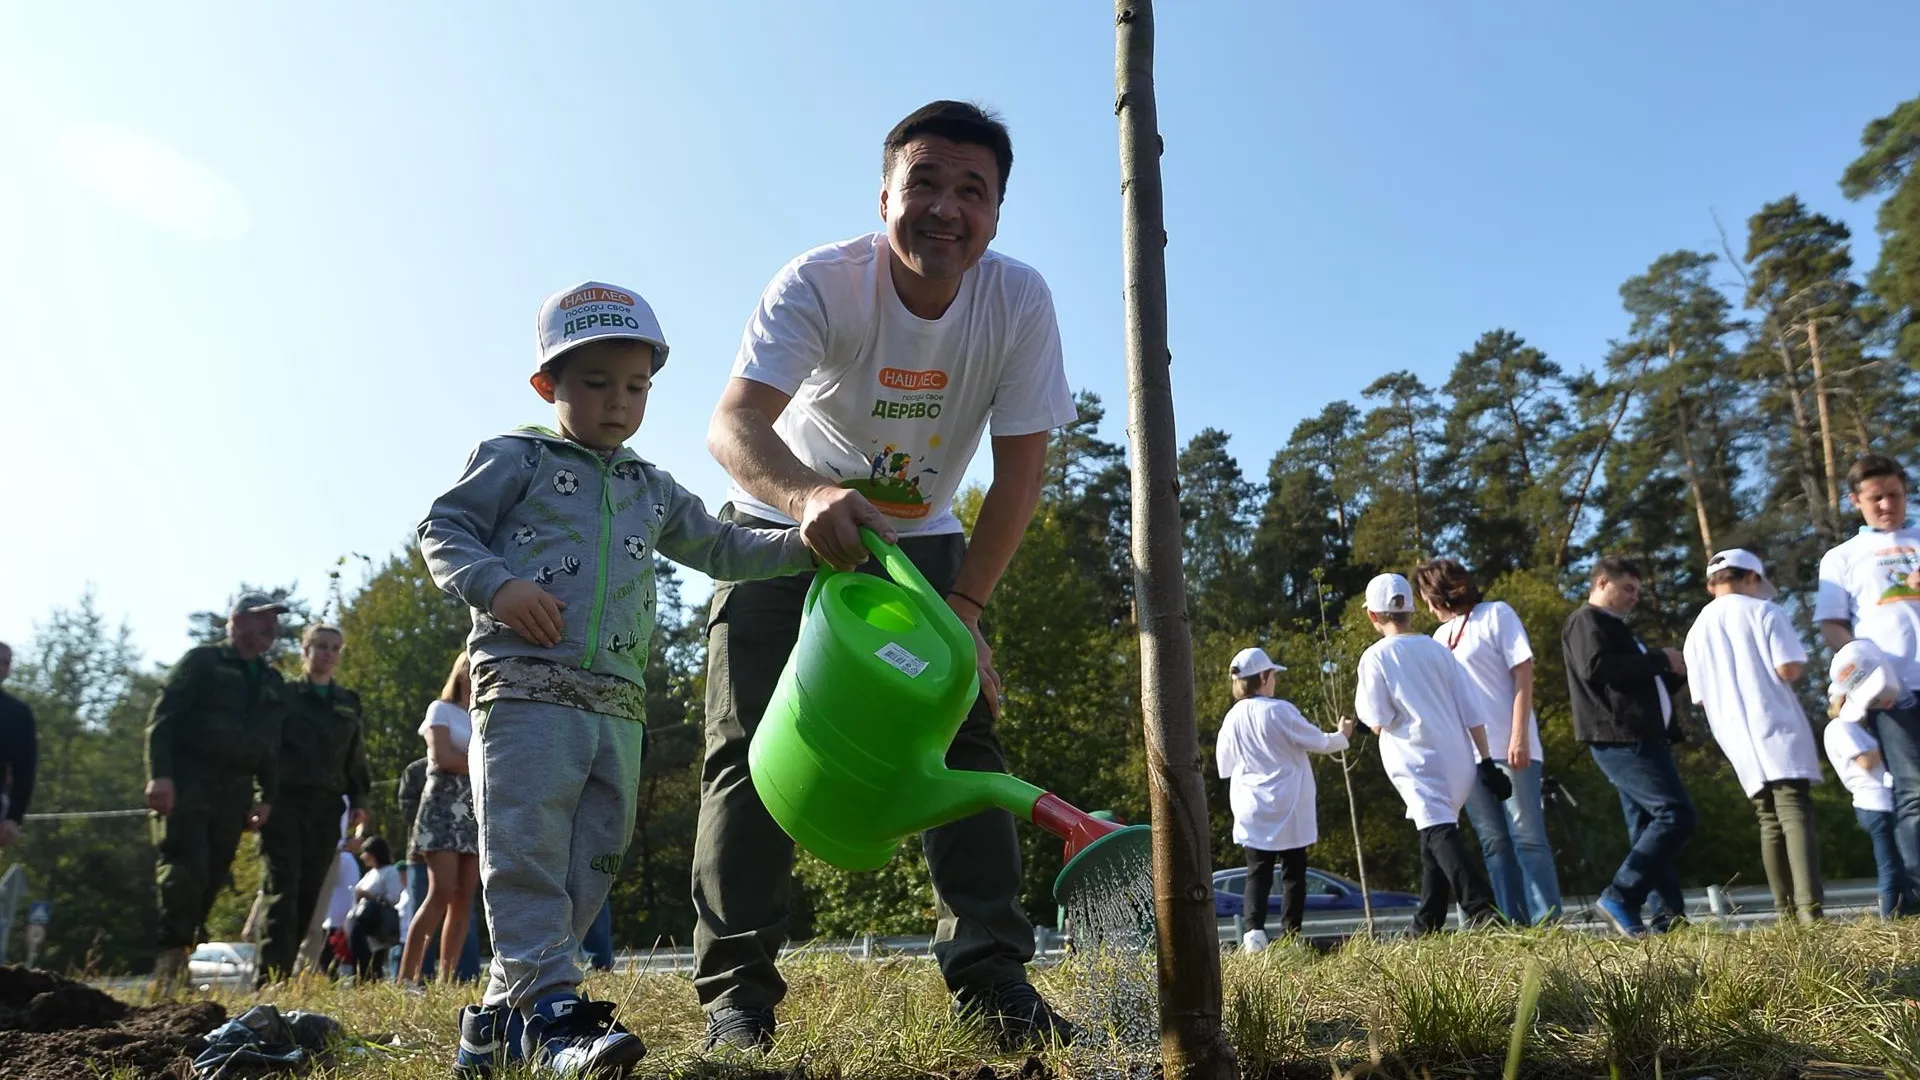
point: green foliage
(402, 636)
(90, 702)
(1891, 146)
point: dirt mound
(56, 1029)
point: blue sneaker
(567, 1035)
(483, 1043)
(1620, 916)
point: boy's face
(601, 394)
(1882, 501)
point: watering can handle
(933, 606)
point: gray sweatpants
(555, 790)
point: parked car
(221, 963)
(1325, 892)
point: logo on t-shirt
(897, 379)
(1892, 565)
(892, 483)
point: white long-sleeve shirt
(1262, 752)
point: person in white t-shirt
(1490, 643)
(446, 832)
(1870, 588)
(1743, 657)
(1861, 680)
(1262, 754)
(866, 378)
(1434, 747)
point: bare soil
(56, 1029)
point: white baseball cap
(1389, 594)
(1250, 662)
(1736, 559)
(594, 311)
(1861, 675)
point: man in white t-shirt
(1743, 657)
(1870, 588)
(866, 378)
(1413, 695)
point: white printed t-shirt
(1872, 788)
(893, 405)
(1863, 583)
(1262, 752)
(1489, 642)
(1413, 694)
(456, 720)
(1732, 652)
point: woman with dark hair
(373, 926)
(1487, 639)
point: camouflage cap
(255, 603)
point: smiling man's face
(942, 207)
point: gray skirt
(446, 821)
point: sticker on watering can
(909, 664)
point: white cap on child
(1861, 675)
(1389, 594)
(594, 311)
(1250, 662)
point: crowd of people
(1458, 731)
(868, 375)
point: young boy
(1413, 695)
(1862, 681)
(1743, 657)
(549, 537)
(1262, 752)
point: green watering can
(850, 756)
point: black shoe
(749, 1028)
(567, 1035)
(1018, 1016)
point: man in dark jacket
(1622, 697)
(18, 755)
(213, 767)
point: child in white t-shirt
(1262, 753)
(1413, 695)
(1743, 657)
(1862, 681)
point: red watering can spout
(1077, 827)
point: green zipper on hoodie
(600, 565)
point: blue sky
(267, 272)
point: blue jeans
(1898, 730)
(1513, 838)
(599, 940)
(469, 966)
(1660, 819)
(1895, 887)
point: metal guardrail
(1734, 908)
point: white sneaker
(1254, 941)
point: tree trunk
(1192, 1044)
(1826, 422)
(1693, 467)
(1413, 474)
(1593, 466)
(1802, 430)
(1693, 482)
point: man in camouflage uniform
(213, 749)
(322, 759)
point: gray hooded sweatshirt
(533, 505)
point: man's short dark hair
(1615, 567)
(1871, 466)
(959, 121)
